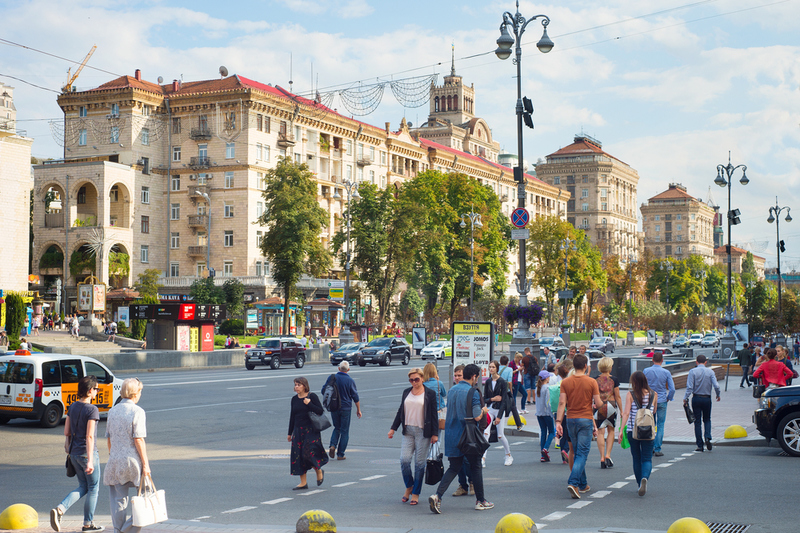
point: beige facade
(602, 192)
(738, 255)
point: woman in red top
(773, 372)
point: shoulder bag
(70, 467)
(434, 468)
(149, 506)
(472, 441)
(319, 422)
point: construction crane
(71, 79)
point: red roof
(735, 250)
(673, 193)
(582, 146)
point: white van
(42, 386)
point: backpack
(330, 395)
(606, 386)
(533, 365)
(555, 395)
(644, 426)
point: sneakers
(643, 487)
(699, 449)
(435, 503)
(484, 505)
(546, 456)
(587, 488)
(708, 444)
(92, 528)
(573, 491)
(460, 491)
(564, 457)
(658, 454)
(471, 489)
(543, 460)
(55, 519)
(508, 460)
(332, 451)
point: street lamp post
(774, 214)
(352, 194)
(205, 197)
(728, 342)
(566, 245)
(668, 268)
(630, 336)
(701, 275)
(474, 220)
(517, 23)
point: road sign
(565, 295)
(336, 284)
(524, 233)
(520, 217)
(336, 293)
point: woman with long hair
(430, 377)
(496, 394)
(605, 415)
(639, 397)
(544, 414)
(307, 451)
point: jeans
(546, 431)
(518, 387)
(745, 375)
(88, 485)
(701, 405)
(414, 449)
(341, 430)
(661, 419)
(642, 453)
(119, 501)
(580, 433)
(530, 383)
(464, 473)
(452, 472)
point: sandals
(413, 502)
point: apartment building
(738, 255)
(676, 224)
(602, 194)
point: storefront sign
(473, 343)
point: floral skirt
(307, 451)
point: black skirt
(307, 451)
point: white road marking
(631, 478)
(273, 502)
(345, 484)
(600, 494)
(199, 518)
(558, 515)
(664, 465)
(618, 485)
(688, 454)
(578, 505)
(370, 478)
(498, 447)
(238, 509)
(517, 443)
(317, 491)
(677, 459)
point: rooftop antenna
(290, 72)
(223, 72)
(453, 59)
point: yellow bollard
(688, 525)
(316, 521)
(19, 516)
(735, 432)
(516, 523)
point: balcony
(195, 190)
(200, 134)
(199, 162)
(54, 220)
(285, 141)
(198, 221)
(197, 251)
(363, 161)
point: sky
(670, 87)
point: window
(372, 176)
(145, 165)
(604, 206)
(585, 179)
(678, 249)
(176, 153)
(176, 125)
(658, 217)
(113, 194)
(229, 180)
(603, 193)
(202, 122)
(145, 195)
(202, 179)
(228, 210)
(262, 181)
(175, 183)
(694, 249)
(692, 216)
(349, 173)
(259, 122)
(383, 158)
(259, 149)
(201, 268)
(230, 150)
(349, 149)
(557, 180)
(145, 254)
(175, 212)
(202, 151)
(259, 237)
(145, 137)
(201, 209)
(372, 153)
(658, 238)
(585, 223)
(114, 134)
(227, 268)
(115, 110)
(677, 217)
(645, 218)
(584, 193)
(146, 110)
(81, 111)
(174, 270)
(228, 238)
(259, 265)
(259, 209)
(658, 228)
(680, 226)
(360, 174)
(383, 181)
(174, 240)
(82, 195)
(266, 124)
(360, 152)
(82, 138)
(584, 207)
(266, 153)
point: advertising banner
(84, 297)
(418, 338)
(124, 316)
(183, 337)
(252, 319)
(473, 343)
(99, 300)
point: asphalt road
(217, 445)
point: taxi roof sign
(22, 352)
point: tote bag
(149, 506)
(434, 468)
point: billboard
(473, 343)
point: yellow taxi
(42, 386)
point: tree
(147, 283)
(139, 327)
(16, 310)
(587, 278)
(294, 221)
(205, 292)
(233, 291)
(546, 257)
(411, 305)
(119, 265)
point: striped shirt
(635, 409)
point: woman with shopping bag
(127, 460)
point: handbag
(689, 414)
(319, 422)
(493, 434)
(434, 468)
(624, 444)
(70, 467)
(472, 441)
(149, 506)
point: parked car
(382, 350)
(778, 417)
(681, 341)
(347, 352)
(695, 339)
(437, 350)
(550, 342)
(595, 354)
(709, 341)
(604, 344)
(647, 350)
(274, 352)
(757, 340)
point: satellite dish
(160, 80)
(223, 71)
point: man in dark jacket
(348, 395)
(744, 361)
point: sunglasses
(414, 380)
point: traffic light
(783, 248)
(527, 106)
(733, 216)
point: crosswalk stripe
(578, 505)
(618, 485)
(600, 494)
(312, 492)
(238, 509)
(558, 515)
(273, 502)
(345, 484)
(370, 478)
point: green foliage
(294, 221)
(205, 292)
(85, 222)
(16, 310)
(232, 326)
(52, 258)
(81, 261)
(122, 329)
(147, 283)
(119, 264)
(233, 290)
(139, 327)
(411, 305)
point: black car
(348, 352)
(382, 350)
(778, 417)
(274, 352)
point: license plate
(5, 399)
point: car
(778, 417)
(347, 352)
(681, 341)
(757, 340)
(437, 350)
(647, 350)
(604, 344)
(595, 354)
(42, 386)
(550, 342)
(275, 351)
(709, 341)
(382, 350)
(695, 339)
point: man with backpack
(530, 365)
(338, 396)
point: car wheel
(52, 415)
(4, 420)
(248, 366)
(361, 362)
(387, 360)
(789, 434)
(300, 361)
(275, 362)
(406, 358)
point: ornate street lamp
(774, 213)
(474, 221)
(566, 245)
(667, 267)
(352, 194)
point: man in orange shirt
(577, 393)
